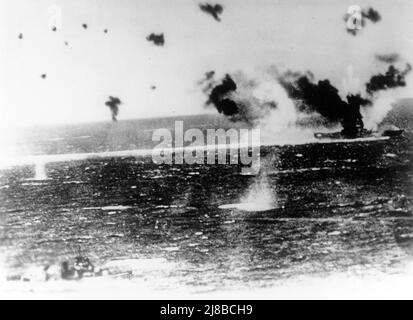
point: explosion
(283, 97)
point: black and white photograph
(206, 150)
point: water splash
(40, 171)
(260, 197)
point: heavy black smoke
(219, 97)
(236, 100)
(371, 14)
(157, 39)
(323, 98)
(113, 104)
(392, 78)
(214, 10)
(309, 97)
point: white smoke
(260, 196)
(284, 115)
(383, 102)
(264, 100)
(374, 115)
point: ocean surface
(314, 209)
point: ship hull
(366, 134)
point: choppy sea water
(315, 209)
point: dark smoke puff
(113, 103)
(323, 98)
(320, 97)
(388, 58)
(219, 97)
(207, 82)
(209, 75)
(238, 108)
(393, 78)
(213, 10)
(372, 15)
(157, 39)
(352, 31)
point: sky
(291, 34)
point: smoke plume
(249, 98)
(220, 97)
(392, 78)
(280, 99)
(113, 104)
(323, 98)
